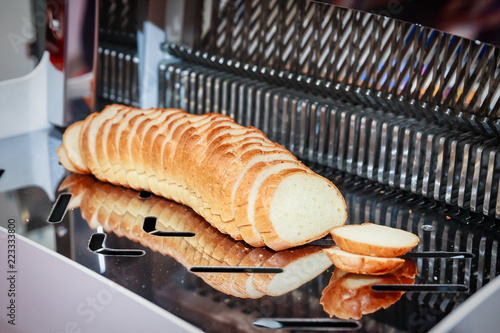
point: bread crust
(386, 251)
(71, 139)
(166, 152)
(263, 222)
(340, 300)
(63, 158)
(281, 260)
(360, 264)
(121, 211)
(242, 200)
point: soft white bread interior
(374, 240)
(360, 264)
(122, 212)
(350, 295)
(166, 151)
(294, 206)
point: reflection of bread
(122, 211)
(374, 240)
(208, 162)
(359, 264)
(350, 295)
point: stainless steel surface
(474, 19)
(118, 62)
(163, 281)
(447, 164)
(118, 79)
(361, 57)
(96, 303)
(73, 41)
(402, 117)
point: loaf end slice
(360, 264)
(351, 296)
(374, 240)
(295, 207)
(71, 143)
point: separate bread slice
(350, 295)
(360, 264)
(374, 240)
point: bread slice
(237, 170)
(295, 207)
(71, 143)
(349, 296)
(218, 159)
(299, 266)
(65, 161)
(78, 184)
(141, 139)
(374, 240)
(90, 136)
(113, 150)
(360, 264)
(246, 195)
(243, 282)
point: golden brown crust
(229, 180)
(263, 207)
(281, 260)
(256, 258)
(216, 167)
(386, 251)
(360, 264)
(71, 138)
(65, 161)
(166, 152)
(350, 295)
(241, 200)
(121, 211)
